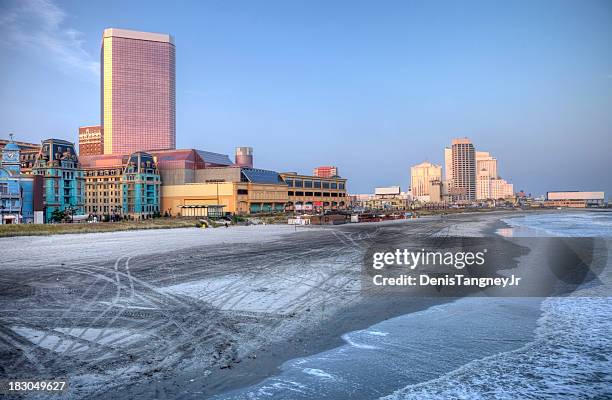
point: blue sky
(372, 87)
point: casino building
(241, 190)
(232, 189)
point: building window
(242, 191)
(325, 185)
(317, 194)
(334, 185)
(325, 194)
(309, 194)
(317, 184)
(307, 184)
(298, 183)
(289, 182)
(299, 193)
(341, 185)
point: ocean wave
(570, 357)
(585, 224)
(318, 373)
(348, 339)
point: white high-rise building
(448, 164)
(421, 176)
(485, 161)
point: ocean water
(472, 348)
(408, 349)
(567, 224)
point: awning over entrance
(202, 210)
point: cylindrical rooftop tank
(244, 157)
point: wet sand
(322, 331)
(193, 313)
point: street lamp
(71, 209)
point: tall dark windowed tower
(138, 91)
(463, 170)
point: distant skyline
(371, 87)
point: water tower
(244, 157)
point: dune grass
(59, 229)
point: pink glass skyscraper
(138, 91)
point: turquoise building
(64, 182)
(140, 184)
(16, 189)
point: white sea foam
(347, 338)
(571, 356)
(317, 372)
(377, 333)
(583, 224)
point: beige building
(483, 185)
(436, 191)
(239, 190)
(488, 187)
(484, 161)
(249, 191)
(118, 185)
(195, 199)
(575, 199)
(103, 184)
(500, 189)
(384, 198)
(421, 176)
(448, 164)
(307, 192)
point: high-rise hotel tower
(138, 91)
(463, 161)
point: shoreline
(368, 313)
(231, 306)
(325, 335)
(38, 230)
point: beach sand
(195, 312)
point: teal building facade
(140, 186)
(64, 182)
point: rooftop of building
(21, 145)
(215, 158)
(202, 157)
(58, 141)
(103, 160)
(138, 35)
(176, 155)
(462, 140)
(426, 164)
(304, 176)
(205, 159)
(255, 175)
